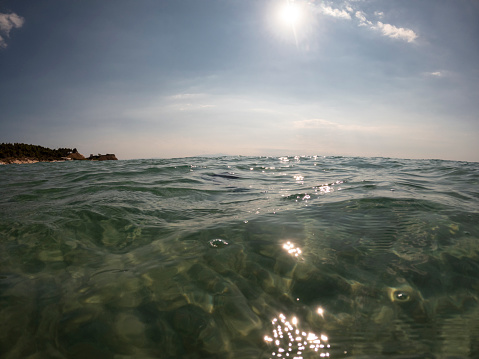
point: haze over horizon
(158, 79)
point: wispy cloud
(396, 32)
(328, 10)
(188, 102)
(7, 23)
(363, 21)
(435, 74)
(385, 29)
(388, 30)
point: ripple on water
(218, 243)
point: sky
(176, 78)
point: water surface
(240, 257)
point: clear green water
(240, 257)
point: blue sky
(164, 78)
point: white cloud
(10, 21)
(361, 16)
(386, 29)
(435, 74)
(328, 10)
(7, 23)
(397, 32)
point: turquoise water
(240, 257)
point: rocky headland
(19, 153)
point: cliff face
(76, 156)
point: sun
(290, 13)
(292, 20)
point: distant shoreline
(21, 153)
(21, 161)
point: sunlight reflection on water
(288, 339)
(292, 249)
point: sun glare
(292, 20)
(291, 13)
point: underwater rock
(260, 275)
(54, 255)
(409, 302)
(197, 330)
(231, 258)
(384, 315)
(130, 329)
(208, 280)
(201, 299)
(89, 349)
(304, 269)
(158, 275)
(269, 282)
(457, 343)
(80, 334)
(169, 294)
(113, 237)
(264, 306)
(101, 289)
(236, 313)
(285, 265)
(130, 294)
(249, 289)
(16, 327)
(320, 288)
(74, 319)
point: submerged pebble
(130, 328)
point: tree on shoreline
(33, 152)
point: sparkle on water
(289, 340)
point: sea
(240, 257)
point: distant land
(22, 153)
